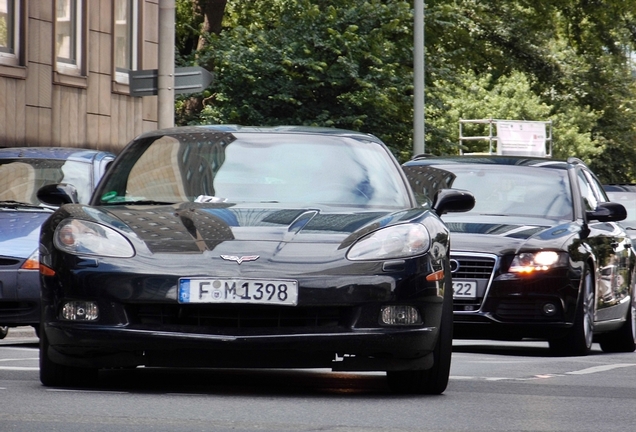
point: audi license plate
(205, 290)
(464, 289)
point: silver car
(23, 171)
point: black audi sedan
(229, 246)
(540, 255)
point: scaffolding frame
(492, 137)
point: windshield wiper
(16, 204)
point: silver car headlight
(80, 237)
(398, 241)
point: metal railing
(492, 136)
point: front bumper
(335, 323)
(484, 326)
(19, 297)
(353, 350)
(516, 307)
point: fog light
(549, 309)
(80, 311)
(400, 315)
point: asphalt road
(494, 386)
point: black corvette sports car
(228, 246)
(539, 256)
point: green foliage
(187, 30)
(315, 63)
(507, 98)
(348, 64)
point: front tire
(56, 375)
(578, 341)
(4, 331)
(431, 381)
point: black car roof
(262, 129)
(493, 160)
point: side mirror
(453, 201)
(58, 194)
(607, 212)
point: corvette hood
(20, 232)
(502, 234)
(194, 227)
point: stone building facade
(64, 71)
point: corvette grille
(206, 316)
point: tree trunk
(212, 11)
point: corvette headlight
(398, 241)
(529, 262)
(79, 237)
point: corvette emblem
(239, 260)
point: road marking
(590, 370)
(18, 368)
(532, 378)
(603, 368)
(19, 359)
(86, 391)
(10, 348)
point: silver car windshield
(284, 168)
(21, 178)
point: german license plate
(220, 290)
(464, 289)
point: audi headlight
(398, 241)
(529, 262)
(79, 237)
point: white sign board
(519, 138)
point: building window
(69, 36)
(125, 34)
(10, 31)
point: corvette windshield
(285, 168)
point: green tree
(348, 64)
(314, 63)
(470, 96)
(575, 55)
